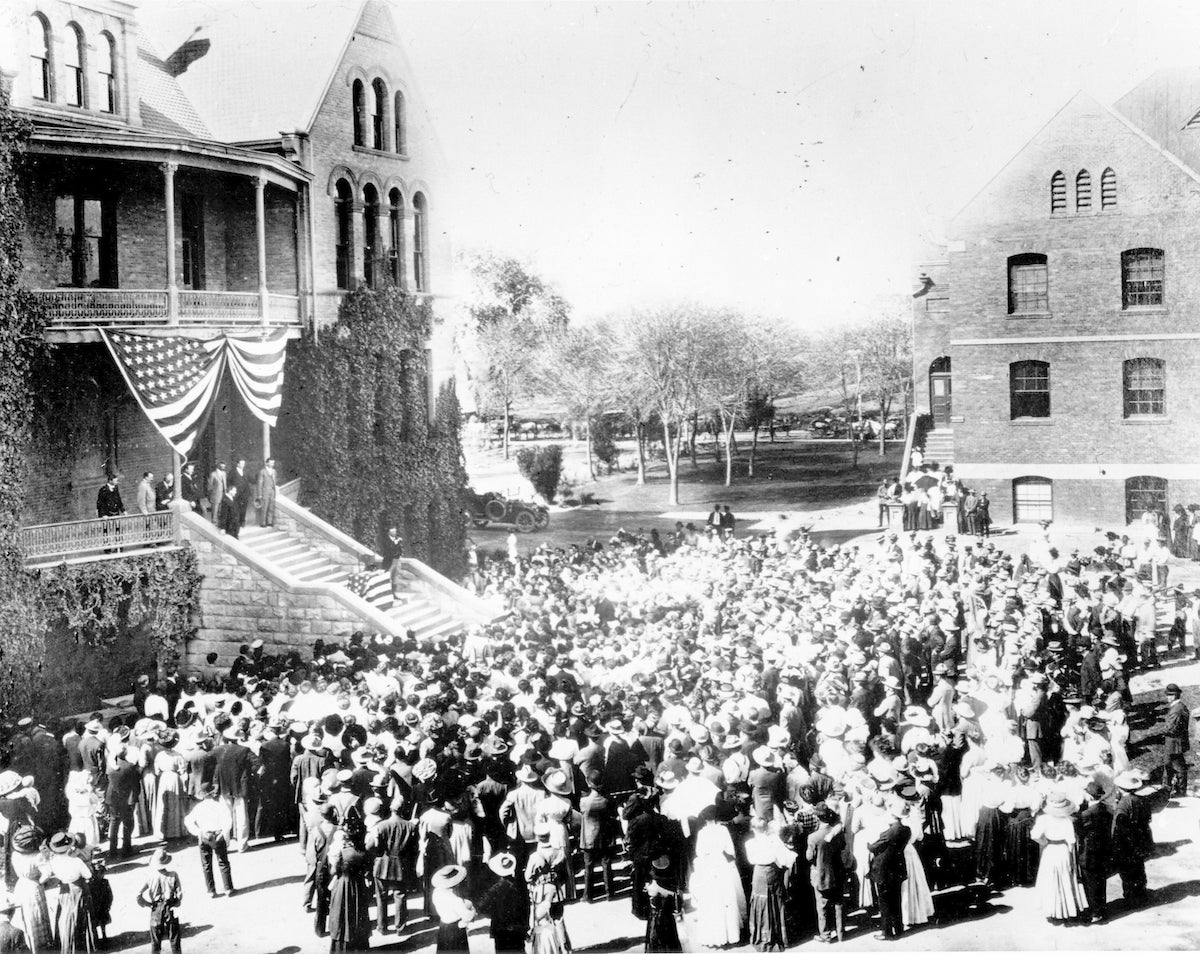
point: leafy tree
(776, 369)
(578, 372)
(885, 348)
(509, 315)
(542, 467)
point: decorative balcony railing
(93, 537)
(81, 309)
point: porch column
(266, 442)
(260, 228)
(169, 204)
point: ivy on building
(356, 427)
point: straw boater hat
(562, 749)
(448, 877)
(61, 843)
(766, 756)
(1059, 806)
(831, 723)
(502, 864)
(9, 783)
(1129, 780)
(160, 859)
(526, 773)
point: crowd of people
(748, 739)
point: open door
(940, 392)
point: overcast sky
(785, 158)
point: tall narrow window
(358, 104)
(1083, 191)
(395, 252)
(1145, 386)
(1029, 389)
(192, 227)
(401, 123)
(41, 76)
(379, 106)
(106, 74)
(1108, 189)
(74, 56)
(1142, 274)
(85, 229)
(420, 237)
(370, 235)
(1058, 192)
(1028, 285)
(343, 207)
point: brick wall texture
(1086, 446)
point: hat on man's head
(502, 864)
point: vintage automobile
(481, 509)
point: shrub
(542, 467)
(604, 448)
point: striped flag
(176, 379)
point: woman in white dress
(916, 900)
(975, 776)
(169, 806)
(1118, 738)
(1060, 895)
(718, 898)
(870, 821)
(84, 805)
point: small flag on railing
(176, 379)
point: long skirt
(145, 804)
(862, 867)
(989, 845)
(1059, 893)
(1020, 853)
(72, 932)
(451, 938)
(768, 922)
(349, 922)
(719, 902)
(30, 898)
(916, 901)
(169, 807)
(953, 819)
(550, 937)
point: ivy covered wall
(356, 427)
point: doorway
(940, 391)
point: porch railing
(79, 309)
(81, 537)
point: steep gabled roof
(1166, 107)
(269, 62)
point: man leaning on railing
(108, 504)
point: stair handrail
(908, 445)
(327, 530)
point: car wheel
(526, 522)
(543, 519)
(494, 510)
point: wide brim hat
(526, 773)
(424, 770)
(160, 859)
(61, 843)
(502, 864)
(831, 723)
(562, 749)
(448, 877)
(668, 781)
(313, 743)
(556, 783)
(1130, 781)
(964, 710)
(766, 756)
(9, 782)
(1059, 806)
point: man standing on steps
(230, 514)
(216, 491)
(265, 498)
(241, 480)
(393, 559)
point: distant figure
(393, 558)
(241, 480)
(108, 500)
(145, 493)
(728, 522)
(162, 894)
(164, 492)
(216, 491)
(265, 501)
(230, 517)
(192, 490)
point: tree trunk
(672, 448)
(753, 448)
(507, 421)
(692, 442)
(639, 432)
(717, 450)
(885, 405)
(728, 435)
(587, 436)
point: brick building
(1056, 339)
(198, 168)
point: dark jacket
(1175, 730)
(231, 771)
(826, 854)
(393, 843)
(230, 517)
(1094, 839)
(598, 824)
(1132, 840)
(508, 907)
(201, 764)
(108, 502)
(619, 763)
(124, 784)
(887, 854)
(91, 753)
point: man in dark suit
(310, 763)
(231, 776)
(108, 500)
(597, 829)
(91, 754)
(1089, 670)
(240, 480)
(124, 784)
(1176, 741)
(1095, 851)
(768, 784)
(391, 548)
(889, 872)
(620, 759)
(274, 785)
(229, 518)
(1132, 839)
(393, 844)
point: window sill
(1145, 310)
(370, 151)
(1032, 422)
(1091, 213)
(1029, 314)
(1150, 419)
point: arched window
(1144, 382)
(396, 236)
(343, 207)
(1058, 192)
(1033, 499)
(76, 91)
(401, 123)
(1142, 274)
(379, 106)
(370, 235)
(420, 239)
(1029, 389)
(41, 75)
(1083, 191)
(358, 104)
(1146, 495)
(1028, 284)
(1108, 189)
(106, 74)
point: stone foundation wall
(239, 604)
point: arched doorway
(939, 391)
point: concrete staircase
(939, 446)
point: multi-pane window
(1083, 191)
(396, 236)
(358, 104)
(106, 74)
(1145, 495)
(370, 235)
(1141, 277)
(1029, 389)
(40, 74)
(343, 209)
(420, 277)
(1028, 284)
(380, 99)
(1108, 190)
(1145, 386)
(1058, 192)
(401, 123)
(1033, 499)
(74, 55)
(84, 235)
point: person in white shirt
(210, 821)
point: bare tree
(776, 368)
(577, 371)
(885, 348)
